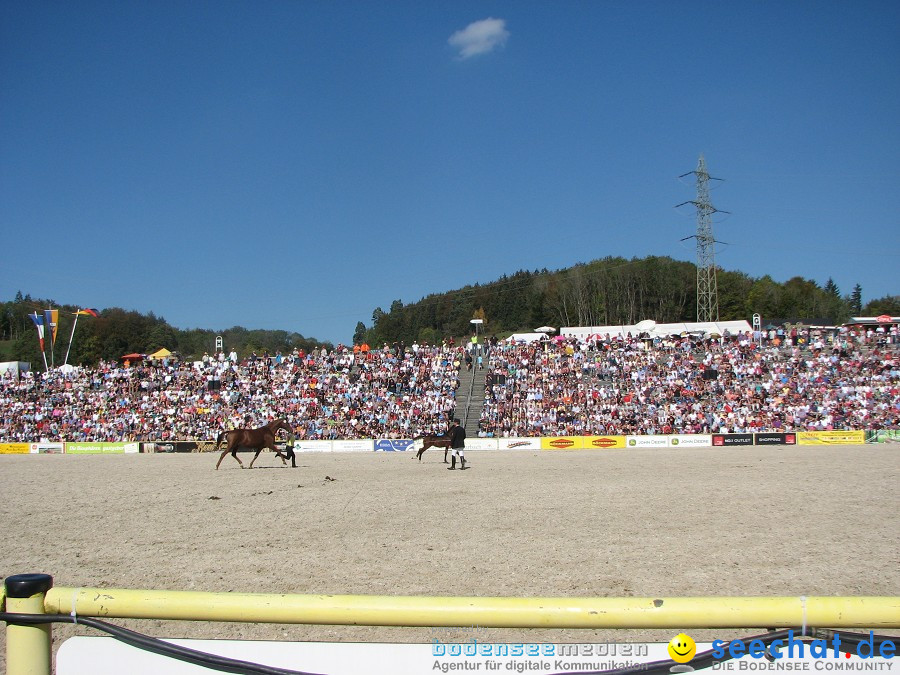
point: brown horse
(256, 439)
(433, 441)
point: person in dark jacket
(457, 445)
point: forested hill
(116, 332)
(609, 291)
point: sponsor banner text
(831, 437)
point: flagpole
(66, 362)
(52, 341)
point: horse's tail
(222, 435)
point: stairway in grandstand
(470, 398)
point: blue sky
(295, 165)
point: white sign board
(519, 443)
(107, 656)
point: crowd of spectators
(750, 382)
(607, 385)
(342, 393)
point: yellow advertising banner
(562, 443)
(603, 442)
(15, 448)
(831, 437)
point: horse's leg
(446, 450)
(254, 457)
(422, 451)
(221, 457)
(229, 449)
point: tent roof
(659, 330)
(527, 337)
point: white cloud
(479, 37)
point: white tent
(659, 330)
(14, 368)
(527, 337)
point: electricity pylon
(707, 291)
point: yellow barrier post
(27, 647)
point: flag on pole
(39, 324)
(51, 320)
(87, 312)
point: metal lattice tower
(707, 291)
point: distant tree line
(116, 332)
(610, 291)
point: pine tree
(359, 335)
(856, 300)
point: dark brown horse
(433, 441)
(257, 439)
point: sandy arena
(669, 522)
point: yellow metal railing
(24, 642)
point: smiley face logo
(682, 648)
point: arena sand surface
(669, 522)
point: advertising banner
(723, 440)
(46, 448)
(481, 444)
(831, 437)
(207, 446)
(96, 448)
(172, 446)
(15, 448)
(562, 443)
(393, 444)
(774, 439)
(883, 436)
(691, 441)
(312, 446)
(603, 442)
(648, 441)
(519, 443)
(358, 445)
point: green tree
(162, 335)
(359, 335)
(764, 298)
(856, 300)
(889, 305)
